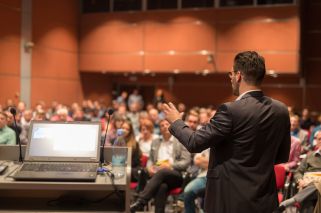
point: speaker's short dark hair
(251, 65)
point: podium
(49, 196)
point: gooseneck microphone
(13, 111)
(110, 112)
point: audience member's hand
(165, 165)
(301, 183)
(171, 113)
(152, 170)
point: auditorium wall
(54, 69)
(10, 49)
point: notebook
(62, 151)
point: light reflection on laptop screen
(64, 140)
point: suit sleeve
(284, 148)
(210, 135)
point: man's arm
(210, 135)
(284, 148)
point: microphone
(13, 111)
(110, 112)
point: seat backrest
(279, 176)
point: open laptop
(62, 151)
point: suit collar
(251, 93)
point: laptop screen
(67, 141)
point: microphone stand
(102, 155)
(13, 112)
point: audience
(147, 135)
(7, 135)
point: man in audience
(192, 120)
(299, 133)
(312, 163)
(7, 135)
(196, 186)
(10, 122)
(167, 159)
(25, 124)
(306, 121)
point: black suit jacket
(247, 137)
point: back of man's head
(251, 65)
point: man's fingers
(165, 107)
(171, 105)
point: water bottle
(119, 155)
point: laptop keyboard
(60, 167)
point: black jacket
(247, 137)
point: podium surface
(58, 196)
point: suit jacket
(247, 137)
(182, 158)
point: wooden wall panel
(222, 32)
(10, 23)
(55, 54)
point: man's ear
(239, 77)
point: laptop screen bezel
(63, 159)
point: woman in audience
(131, 142)
(146, 136)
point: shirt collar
(240, 96)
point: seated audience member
(78, 115)
(136, 97)
(131, 142)
(122, 99)
(193, 188)
(192, 120)
(7, 135)
(10, 122)
(158, 97)
(204, 117)
(153, 115)
(306, 121)
(294, 156)
(25, 124)
(146, 136)
(315, 129)
(168, 158)
(62, 115)
(312, 163)
(299, 133)
(40, 115)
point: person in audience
(131, 142)
(40, 115)
(136, 97)
(313, 132)
(146, 136)
(198, 185)
(10, 122)
(122, 99)
(78, 115)
(294, 157)
(7, 135)
(133, 115)
(62, 115)
(312, 163)
(192, 120)
(153, 115)
(306, 121)
(299, 133)
(158, 97)
(168, 158)
(25, 124)
(204, 117)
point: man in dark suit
(246, 138)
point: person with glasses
(246, 137)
